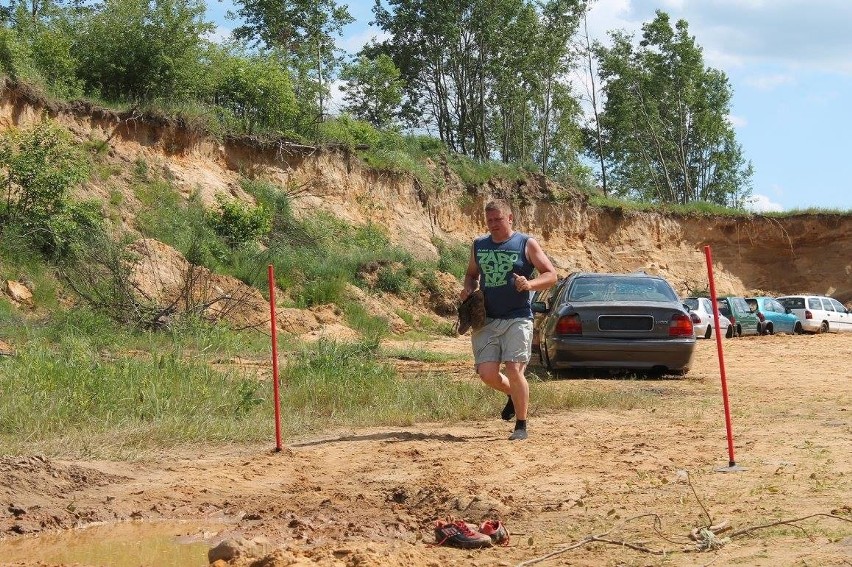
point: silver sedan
(701, 311)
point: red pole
(729, 427)
(271, 276)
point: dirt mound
(32, 486)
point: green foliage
(476, 173)
(240, 224)
(373, 90)
(51, 48)
(372, 327)
(486, 74)
(39, 168)
(129, 50)
(254, 92)
(664, 129)
(394, 279)
(15, 59)
(350, 132)
(452, 258)
(182, 224)
(303, 31)
(21, 261)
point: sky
(789, 64)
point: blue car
(774, 317)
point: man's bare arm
(546, 272)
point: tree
(483, 72)
(305, 30)
(664, 128)
(373, 90)
(143, 50)
(550, 64)
(254, 89)
(44, 36)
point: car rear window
(620, 288)
(793, 302)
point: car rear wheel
(709, 332)
(797, 330)
(769, 330)
(824, 327)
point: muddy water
(118, 545)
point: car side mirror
(787, 310)
(539, 307)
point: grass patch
(84, 387)
(420, 354)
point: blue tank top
(498, 264)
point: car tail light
(808, 315)
(680, 325)
(569, 325)
(694, 316)
(761, 316)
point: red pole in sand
(731, 462)
(271, 276)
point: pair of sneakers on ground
(508, 413)
(459, 533)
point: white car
(701, 313)
(818, 313)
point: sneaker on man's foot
(509, 410)
(496, 531)
(459, 534)
(518, 435)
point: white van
(818, 313)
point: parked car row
(767, 315)
(637, 322)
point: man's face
(499, 223)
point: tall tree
(664, 128)
(484, 71)
(373, 90)
(550, 65)
(305, 29)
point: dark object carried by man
(471, 313)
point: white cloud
(770, 82)
(762, 204)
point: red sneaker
(496, 531)
(459, 534)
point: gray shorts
(503, 340)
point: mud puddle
(133, 544)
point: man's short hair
(499, 205)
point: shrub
(39, 168)
(239, 224)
